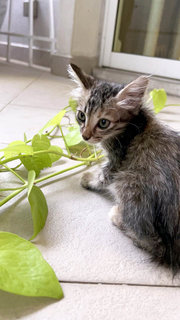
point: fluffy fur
(142, 171)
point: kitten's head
(104, 108)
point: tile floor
(102, 274)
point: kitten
(143, 163)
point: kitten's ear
(80, 77)
(131, 97)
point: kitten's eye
(103, 123)
(81, 116)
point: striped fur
(142, 171)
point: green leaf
(40, 142)
(16, 148)
(81, 149)
(73, 104)
(39, 209)
(31, 178)
(33, 163)
(54, 121)
(73, 137)
(24, 271)
(38, 162)
(55, 157)
(159, 98)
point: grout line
(33, 80)
(119, 284)
(4, 107)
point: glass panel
(149, 28)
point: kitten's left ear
(131, 97)
(80, 77)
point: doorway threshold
(172, 86)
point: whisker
(132, 124)
(118, 141)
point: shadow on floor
(14, 306)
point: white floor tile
(96, 302)
(2, 105)
(15, 120)
(13, 80)
(49, 91)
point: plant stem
(18, 190)
(59, 172)
(45, 134)
(90, 158)
(20, 164)
(49, 132)
(6, 170)
(68, 107)
(54, 152)
(12, 195)
(15, 173)
(9, 189)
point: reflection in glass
(149, 28)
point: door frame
(151, 65)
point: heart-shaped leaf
(23, 270)
(159, 98)
(73, 104)
(54, 157)
(31, 178)
(16, 148)
(54, 121)
(73, 137)
(81, 149)
(39, 209)
(40, 142)
(37, 162)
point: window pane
(149, 28)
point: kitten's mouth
(92, 141)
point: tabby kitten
(142, 171)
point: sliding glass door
(142, 36)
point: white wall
(87, 27)
(64, 26)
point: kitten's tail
(166, 250)
(168, 254)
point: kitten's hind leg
(115, 215)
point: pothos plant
(23, 270)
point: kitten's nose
(85, 137)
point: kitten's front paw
(115, 216)
(86, 180)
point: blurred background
(114, 39)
